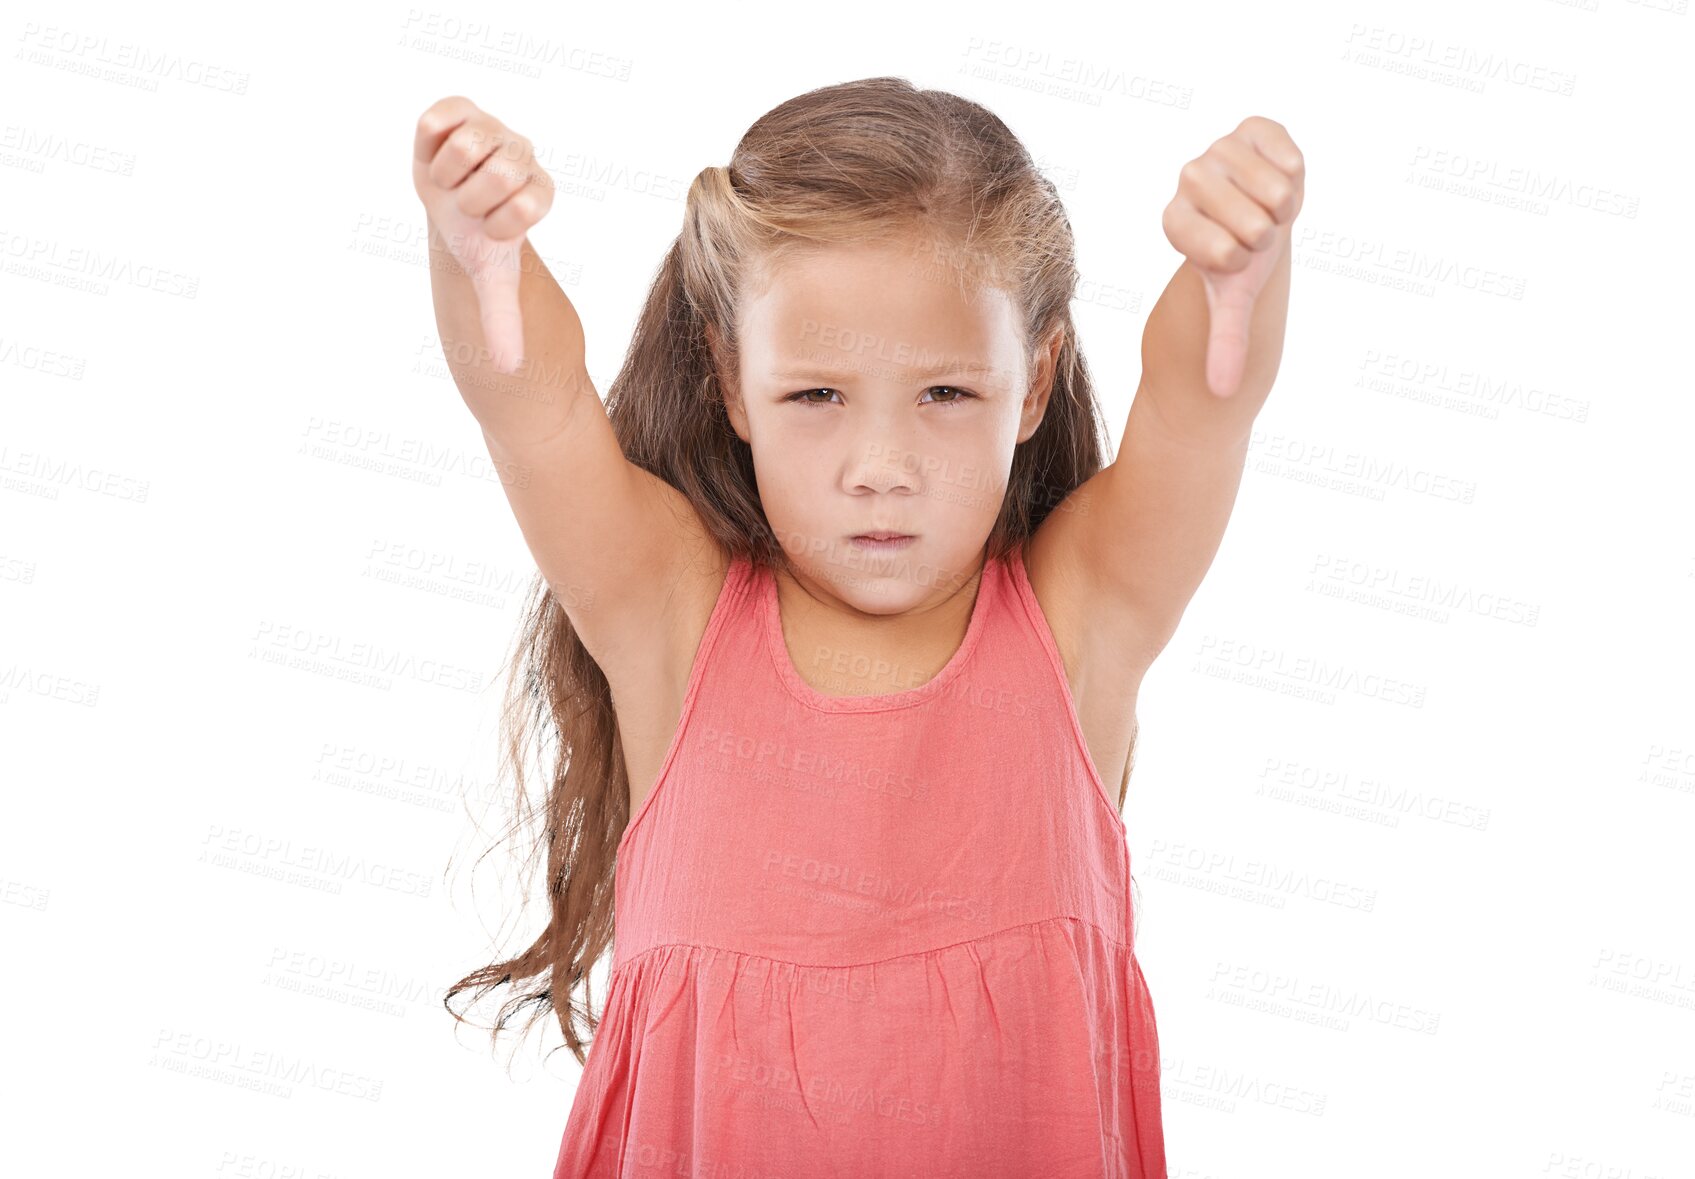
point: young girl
(840, 627)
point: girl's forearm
(538, 400)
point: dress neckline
(783, 662)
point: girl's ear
(1041, 383)
(727, 386)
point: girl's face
(878, 395)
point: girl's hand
(1231, 219)
(483, 189)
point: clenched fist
(483, 189)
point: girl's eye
(959, 395)
(806, 393)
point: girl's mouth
(883, 542)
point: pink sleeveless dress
(873, 936)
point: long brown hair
(870, 160)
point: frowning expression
(879, 395)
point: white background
(1412, 812)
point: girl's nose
(885, 466)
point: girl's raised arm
(609, 537)
(1210, 353)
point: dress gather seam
(1100, 929)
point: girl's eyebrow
(835, 374)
